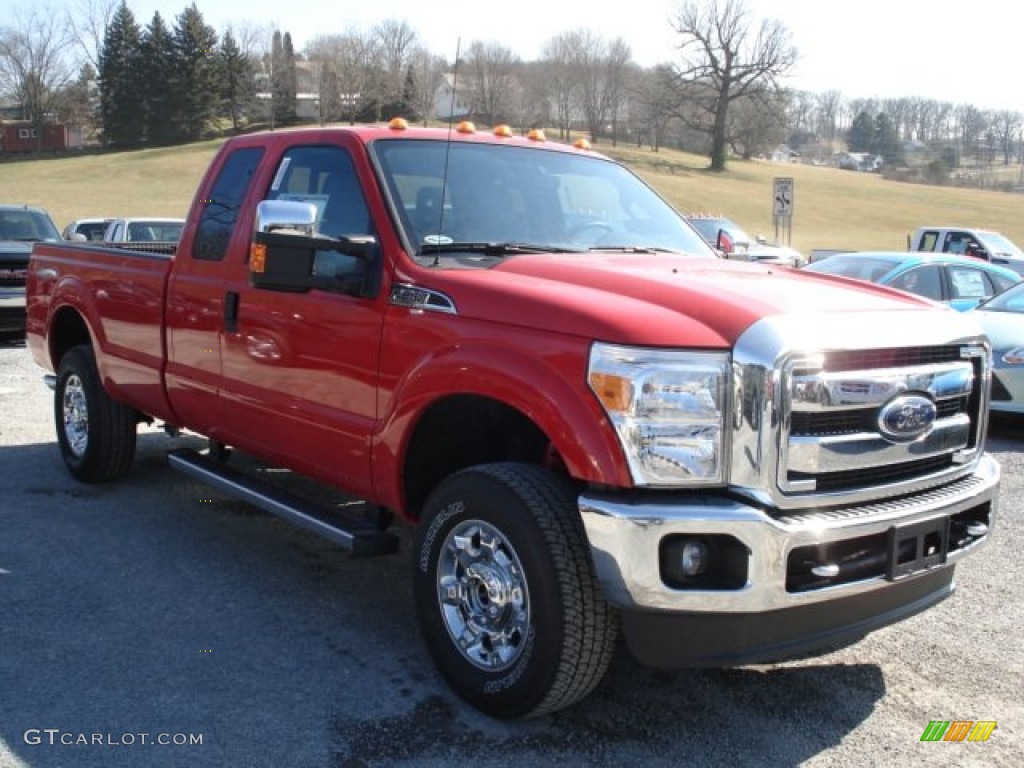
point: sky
(956, 51)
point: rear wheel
(506, 595)
(96, 434)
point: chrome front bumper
(626, 534)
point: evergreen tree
(158, 69)
(862, 133)
(409, 96)
(277, 95)
(121, 86)
(239, 87)
(199, 81)
(887, 141)
(285, 81)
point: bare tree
(396, 44)
(757, 122)
(353, 59)
(559, 61)
(87, 22)
(600, 66)
(972, 123)
(719, 51)
(33, 65)
(899, 110)
(531, 105)
(829, 103)
(1007, 128)
(654, 104)
(427, 72)
(802, 108)
(491, 78)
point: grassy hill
(832, 208)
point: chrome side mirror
(288, 215)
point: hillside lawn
(833, 209)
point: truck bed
(122, 293)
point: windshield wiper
(495, 248)
(630, 249)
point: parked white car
(984, 244)
(144, 230)
(86, 229)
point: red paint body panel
(332, 385)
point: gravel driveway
(139, 616)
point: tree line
(725, 95)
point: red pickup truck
(591, 421)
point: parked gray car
(20, 227)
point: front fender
(548, 387)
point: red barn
(23, 136)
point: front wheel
(96, 434)
(506, 595)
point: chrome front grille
(814, 425)
(833, 440)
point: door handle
(231, 311)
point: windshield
(1010, 300)
(455, 196)
(998, 244)
(26, 226)
(155, 231)
(861, 267)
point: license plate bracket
(917, 547)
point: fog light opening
(693, 560)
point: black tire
(96, 435)
(555, 633)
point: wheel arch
(68, 329)
(508, 407)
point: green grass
(833, 209)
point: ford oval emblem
(906, 418)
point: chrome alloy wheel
(483, 595)
(76, 415)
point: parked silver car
(86, 229)
(1002, 319)
(731, 240)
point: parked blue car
(959, 281)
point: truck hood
(655, 299)
(15, 253)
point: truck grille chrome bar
(819, 427)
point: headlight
(668, 408)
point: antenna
(448, 149)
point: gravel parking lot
(139, 616)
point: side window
(924, 281)
(217, 221)
(1002, 283)
(928, 241)
(956, 242)
(325, 177)
(969, 283)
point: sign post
(782, 207)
